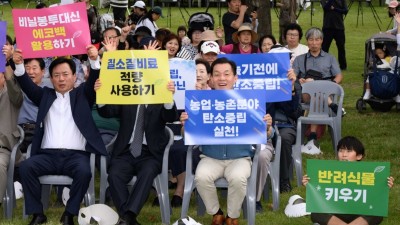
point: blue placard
(3, 32)
(219, 117)
(263, 72)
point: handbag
(316, 75)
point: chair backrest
(320, 91)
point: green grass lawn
(378, 131)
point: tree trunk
(264, 16)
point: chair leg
(187, 194)
(296, 154)
(275, 185)
(250, 206)
(103, 180)
(161, 185)
(9, 202)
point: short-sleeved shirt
(227, 20)
(324, 63)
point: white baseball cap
(210, 46)
(139, 4)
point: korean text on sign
(263, 71)
(225, 117)
(52, 31)
(347, 187)
(131, 77)
(183, 73)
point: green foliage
(378, 131)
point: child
(349, 149)
(383, 60)
(182, 33)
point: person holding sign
(138, 151)
(349, 149)
(64, 114)
(230, 161)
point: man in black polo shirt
(235, 16)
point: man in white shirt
(65, 133)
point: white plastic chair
(9, 198)
(319, 113)
(274, 174)
(48, 180)
(249, 203)
(160, 182)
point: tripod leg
(390, 23)
(376, 17)
(374, 13)
(301, 9)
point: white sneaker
(311, 148)
(397, 99)
(296, 207)
(367, 95)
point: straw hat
(244, 27)
(209, 35)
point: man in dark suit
(65, 133)
(145, 164)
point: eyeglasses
(292, 35)
(112, 37)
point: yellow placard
(134, 77)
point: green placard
(348, 187)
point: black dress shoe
(38, 219)
(285, 187)
(155, 202)
(129, 219)
(176, 201)
(67, 219)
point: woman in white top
(293, 34)
(149, 20)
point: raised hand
(97, 85)
(17, 57)
(171, 86)
(92, 52)
(8, 51)
(305, 180)
(109, 44)
(153, 45)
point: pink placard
(55, 31)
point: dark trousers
(121, 170)
(288, 137)
(340, 39)
(73, 163)
(177, 158)
(119, 13)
